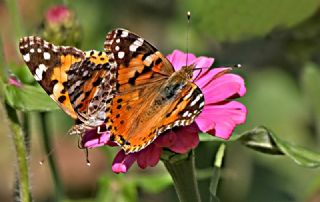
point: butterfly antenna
(187, 42)
(237, 65)
(41, 162)
(52, 150)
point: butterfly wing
(139, 63)
(142, 107)
(136, 122)
(72, 78)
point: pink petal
(187, 138)
(166, 140)
(208, 75)
(123, 162)
(92, 139)
(178, 59)
(204, 121)
(223, 87)
(203, 63)
(225, 117)
(12, 80)
(149, 156)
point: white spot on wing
(26, 57)
(136, 44)
(46, 56)
(188, 95)
(36, 78)
(185, 114)
(39, 50)
(118, 41)
(148, 60)
(31, 50)
(121, 55)
(39, 72)
(124, 33)
(117, 48)
(196, 100)
(85, 73)
(201, 104)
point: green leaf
(29, 98)
(23, 73)
(233, 20)
(260, 139)
(263, 140)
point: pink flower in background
(58, 14)
(13, 80)
(219, 116)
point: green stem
(22, 179)
(216, 173)
(183, 174)
(25, 126)
(48, 148)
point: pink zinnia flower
(58, 14)
(219, 116)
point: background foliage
(277, 43)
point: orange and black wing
(143, 107)
(73, 78)
(138, 62)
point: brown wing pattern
(139, 63)
(49, 65)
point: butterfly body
(130, 88)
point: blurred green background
(278, 45)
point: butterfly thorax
(186, 72)
(176, 83)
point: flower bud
(61, 26)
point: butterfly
(130, 89)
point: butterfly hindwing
(136, 122)
(91, 85)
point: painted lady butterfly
(130, 89)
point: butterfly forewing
(49, 65)
(139, 63)
(80, 82)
